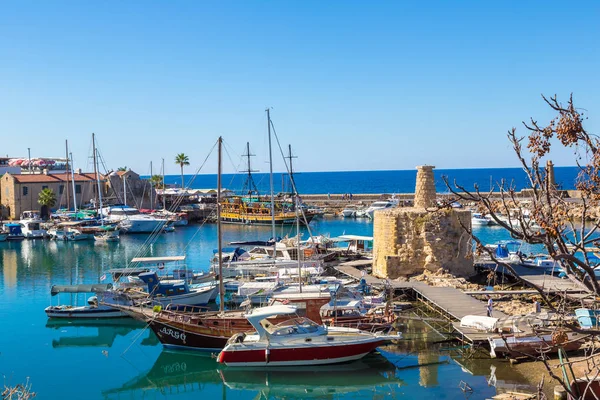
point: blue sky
(353, 85)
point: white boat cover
(479, 322)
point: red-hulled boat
(297, 341)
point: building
(20, 192)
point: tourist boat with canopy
(92, 310)
(297, 341)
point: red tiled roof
(42, 178)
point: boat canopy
(93, 288)
(256, 315)
(117, 273)
(152, 260)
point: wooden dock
(449, 302)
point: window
(61, 189)
(78, 189)
(25, 190)
(44, 187)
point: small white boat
(381, 205)
(31, 225)
(298, 341)
(92, 310)
(478, 219)
(69, 235)
(107, 236)
(349, 212)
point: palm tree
(156, 181)
(182, 160)
(122, 168)
(47, 199)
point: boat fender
(267, 352)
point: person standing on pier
(490, 306)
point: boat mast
(151, 189)
(73, 184)
(298, 241)
(99, 203)
(271, 183)
(290, 157)
(220, 233)
(249, 185)
(163, 185)
(125, 188)
(67, 174)
(95, 168)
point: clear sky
(353, 85)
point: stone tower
(425, 187)
(550, 174)
(409, 240)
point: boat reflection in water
(80, 332)
(186, 372)
(369, 374)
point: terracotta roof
(42, 178)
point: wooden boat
(92, 310)
(297, 341)
(533, 344)
(176, 292)
(349, 313)
(196, 328)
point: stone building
(409, 240)
(20, 192)
(126, 187)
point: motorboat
(130, 219)
(92, 310)
(69, 234)
(13, 231)
(107, 236)
(349, 212)
(297, 341)
(381, 205)
(478, 219)
(351, 313)
(587, 318)
(31, 225)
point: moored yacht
(132, 221)
(297, 341)
(381, 205)
(31, 225)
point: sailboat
(253, 209)
(109, 233)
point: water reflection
(181, 372)
(96, 333)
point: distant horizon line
(366, 170)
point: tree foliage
(47, 198)
(182, 160)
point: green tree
(47, 199)
(156, 181)
(122, 168)
(182, 160)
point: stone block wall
(409, 240)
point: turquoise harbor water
(120, 359)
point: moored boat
(297, 341)
(92, 310)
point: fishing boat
(297, 341)
(92, 310)
(13, 231)
(176, 292)
(70, 231)
(534, 343)
(587, 318)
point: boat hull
(174, 335)
(532, 345)
(195, 298)
(298, 355)
(83, 312)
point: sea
(122, 359)
(370, 182)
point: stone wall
(409, 240)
